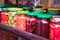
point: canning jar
(32, 22)
(12, 17)
(4, 16)
(21, 20)
(55, 28)
(43, 25)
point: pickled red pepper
(55, 28)
(21, 20)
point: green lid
(40, 12)
(5, 9)
(44, 15)
(27, 8)
(2, 5)
(23, 12)
(15, 9)
(33, 13)
(53, 12)
(12, 9)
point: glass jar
(43, 25)
(12, 18)
(32, 22)
(55, 28)
(4, 16)
(21, 20)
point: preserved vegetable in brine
(12, 18)
(4, 16)
(32, 27)
(21, 20)
(43, 25)
(55, 28)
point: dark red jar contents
(43, 25)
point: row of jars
(36, 22)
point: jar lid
(33, 13)
(23, 12)
(15, 9)
(2, 5)
(27, 8)
(41, 12)
(44, 15)
(5, 9)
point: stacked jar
(21, 20)
(32, 22)
(4, 16)
(55, 28)
(43, 25)
(12, 17)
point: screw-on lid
(2, 5)
(23, 12)
(5, 9)
(44, 15)
(33, 13)
(27, 8)
(53, 13)
(15, 9)
(40, 12)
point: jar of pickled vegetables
(21, 20)
(4, 16)
(12, 17)
(55, 28)
(43, 25)
(32, 22)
